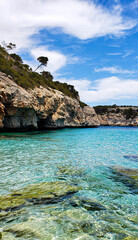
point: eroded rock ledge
(40, 108)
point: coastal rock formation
(40, 108)
(119, 116)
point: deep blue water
(34, 157)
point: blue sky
(90, 44)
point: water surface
(34, 157)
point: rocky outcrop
(128, 176)
(40, 108)
(39, 193)
(117, 117)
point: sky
(91, 44)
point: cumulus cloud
(101, 90)
(84, 19)
(56, 59)
(113, 70)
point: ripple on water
(105, 208)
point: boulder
(89, 204)
(47, 193)
(129, 176)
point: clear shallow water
(27, 158)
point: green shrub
(130, 113)
(22, 74)
(82, 104)
(16, 57)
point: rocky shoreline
(118, 119)
(40, 108)
(46, 108)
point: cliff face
(40, 108)
(122, 116)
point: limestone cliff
(119, 116)
(40, 108)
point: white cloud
(19, 20)
(113, 70)
(56, 60)
(128, 53)
(114, 54)
(101, 90)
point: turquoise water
(34, 157)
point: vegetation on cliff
(23, 75)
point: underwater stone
(69, 170)
(84, 237)
(29, 230)
(49, 192)
(76, 215)
(133, 218)
(87, 203)
(78, 223)
(132, 157)
(128, 176)
(7, 236)
(130, 238)
(7, 202)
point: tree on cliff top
(43, 62)
(8, 46)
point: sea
(106, 205)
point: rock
(128, 176)
(49, 192)
(75, 222)
(8, 202)
(130, 238)
(84, 237)
(10, 216)
(7, 236)
(77, 215)
(68, 225)
(133, 158)
(133, 218)
(2, 114)
(87, 203)
(69, 170)
(116, 117)
(32, 229)
(40, 108)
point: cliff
(117, 116)
(40, 108)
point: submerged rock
(31, 229)
(130, 238)
(89, 204)
(70, 224)
(133, 218)
(7, 236)
(84, 237)
(69, 170)
(49, 192)
(133, 158)
(75, 222)
(128, 176)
